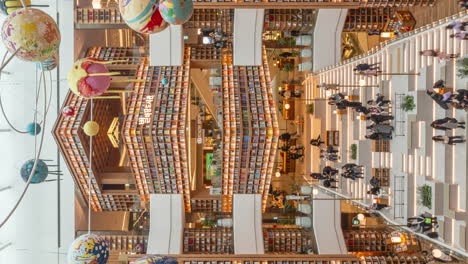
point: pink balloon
(99, 84)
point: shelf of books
(154, 130)
(212, 18)
(288, 20)
(89, 18)
(126, 244)
(286, 240)
(208, 240)
(307, 4)
(206, 205)
(379, 240)
(363, 19)
(260, 259)
(74, 146)
(394, 260)
(250, 130)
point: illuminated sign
(147, 110)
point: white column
(247, 37)
(167, 47)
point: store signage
(147, 111)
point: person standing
(451, 140)
(380, 118)
(317, 142)
(381, 128)
(447, 124)
(377, 136)
(365, 66)
(329, 171)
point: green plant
(287, 42)
(209, 223)
(353, 151)
(462, 68)
(425, 194)
(288, 67)
(408, 103)
(310, 108)
(286, 221)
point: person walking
(374, 191)
(317, 142)
(365, 66)
(328, 183)
(349, 166)
(447, 124)
(439, 84)
(438, 98)
(460, 36)
(450, 140)
(362, 109)
(457, 26)
(374, 182)
(329, 171)
(379, 118)
(381, 128)
(377, 136)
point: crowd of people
(459, 28)
(447, 98)
(293, 152)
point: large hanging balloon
(155, 259)
(142, 16)
(88, 249)
(89, 77)
(176, 12)
(40, 174)
(9, 6)
(33, 33)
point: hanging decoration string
(33, 171)
(90, 170)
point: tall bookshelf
(74, 146)
(206, 205)
(288, 20)
(212, 18)
(377, 241)
(208, 240)
(122, 55)
(363, 19)
(251, 130)
(154, 130)
(125, 243)
(286, 240)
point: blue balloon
(39, 175)
(33, 129)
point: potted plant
(425, 195)
(408, 104)
(462, 68)
(354, 151)
(288, 67)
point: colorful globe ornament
(49, 64)
(91, 128)
(40, 174)
(9, 6)
(31, 32)
(143, 16)
(176, 12)
(89, 77)
(33, 129)
(155, 259)
(164, 81)
(68, 111)
(88, 249)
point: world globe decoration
(164, 81)
(176, 12)
(89, 78)
(49, 64)
(33, 129)
(9, 6)
(88, 249)
(33, 32)
(155, 259)
(143, 16)
(91, 128)
(40, 174)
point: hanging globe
(88, 249)
(9, 6)
(91, 128)
(68, 111)
(164, 81)
(40, 174)
(49, 64)
(155, 259)
(33, 129)
(89, 78)
(176, 12)
(33, 32)
(143, 16)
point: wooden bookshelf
(205, 52)
(131, 56)
(363, 19)
(286, 240)
(98, 18)
(378, 241)
(206, 205)
(208, 240)
(400, 21)
(154, 130)
(125, 244)
(288, 20)
(74, 146)
(212, 18)
(259, 259)
(383, 174)
(380, 145)
(251, 130)
(394, 260)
